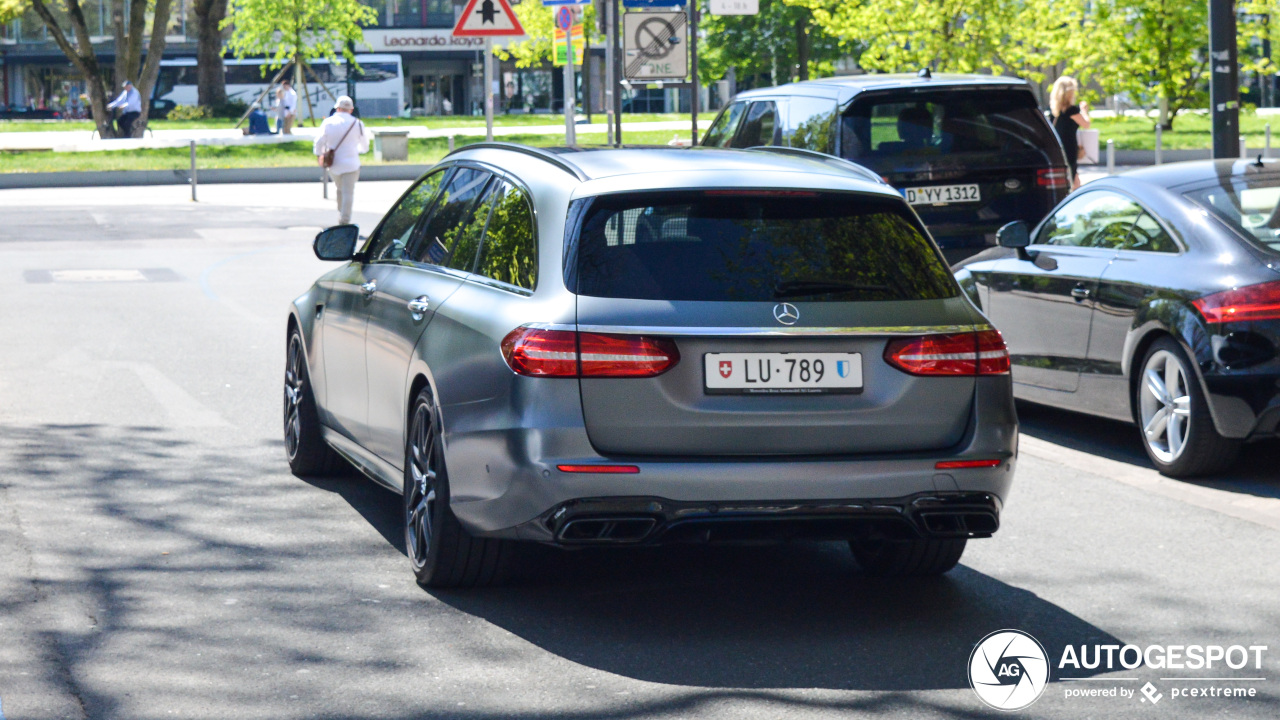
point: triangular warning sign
(487, 18)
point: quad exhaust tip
(960, 524)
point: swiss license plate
(942, 194)
(782, 373)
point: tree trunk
(802, 48)
(151, 70)
(211, 79)
(82, 56)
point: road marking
(1261, 510)
(181, 407)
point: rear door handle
(419, 306)
(1080, 292)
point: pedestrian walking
(288, 106)
(1068, 117)
(129, 103)
(341, 141)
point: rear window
(1250, 205)
(951, 128)
(733, 246)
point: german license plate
(942, 194)
(782, 373)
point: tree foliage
(539, 25)
(290, 30)
(780, 44)
(12, 9)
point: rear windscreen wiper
(801, 288)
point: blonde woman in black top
(1068, 116)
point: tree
(782, 42)
(11, 10)
(129, 29)
(539, 25)
(297, 31)
(211, 79)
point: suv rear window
(956, 128)
(744, 246)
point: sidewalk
(82, 141)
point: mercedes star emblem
(786, 313)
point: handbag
(326, 160)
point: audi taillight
(955, 354)
(564, 353)
(1252, 302)
(1053, 178)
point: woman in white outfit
(343, 133)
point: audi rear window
(1249, 205)
(733, 246)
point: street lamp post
(1224, 82)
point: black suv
(969, 152)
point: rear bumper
(651, 520)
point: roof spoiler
(822, 157)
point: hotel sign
(425, 39)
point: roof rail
(823, 157)
(539, 153)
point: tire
(907, 558)
(308, 454)
(1173, 417)
(442, 553)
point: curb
(112, 178)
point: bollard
(1111, 157)
(1244, 149)
(1159, 144)
(1266, 150)
(193, 171)
(324, 178)
(450, 143)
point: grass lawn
(297, 154)
(458, 121)
(1191, 131)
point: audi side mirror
(1014, 235)
(337, 242)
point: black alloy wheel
(443, 554)
(309, 455)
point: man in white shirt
(129, 103)
(288, 106)
(345, 135)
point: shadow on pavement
(1254, 473)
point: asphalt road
(158, 560)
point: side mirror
(337, 242)
(1014, 235)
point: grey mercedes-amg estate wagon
(632, 346)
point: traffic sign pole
(488, 89)
(609, 80)
(1224, 79)
(617, 73)
(693, 68)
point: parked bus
(379, 84)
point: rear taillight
(565, 353)
(1052, 178)
(1253, 302)
(956, 354)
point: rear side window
(811, 123)
(721, 131)
(510, 253)
(949, 128)
(1248, 204)
(733, 246)
(759, 127)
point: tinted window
(721, 131)
(1094, 219)
(759, 127)
(811, 123)
(450, 216)
(466, 243)
(959, 128)
(391, 239)
(1250, 205)
(510, 252)
(722, 246)
(1147, 234)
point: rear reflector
(1053, 177)
(1253, 302)
(957, 354)
(565, 353)
(961, 464)
(613, 469)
